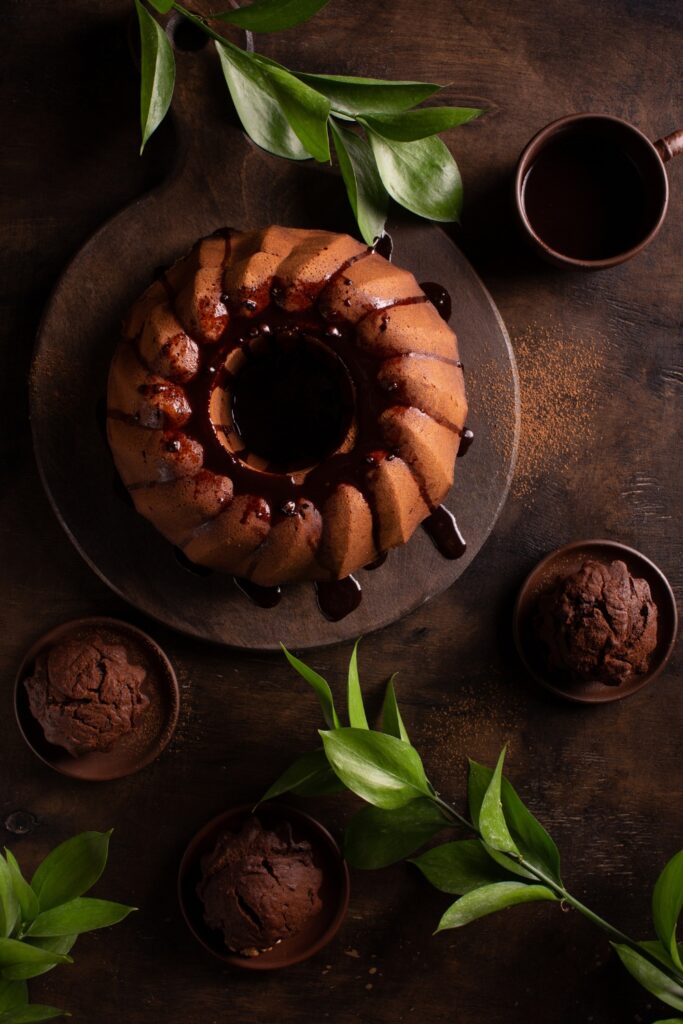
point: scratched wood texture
(606, 781)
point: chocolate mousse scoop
(259, 886)
(86, 694)
(599, 623)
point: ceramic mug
(591, 190)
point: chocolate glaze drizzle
(441, 527)
(265, 338)
(360, 398)
(193, 567)
(292, 404)
(338, 598)
(466, 439)
(384, 246)
(442, 530)
(439, 298)
(264, 597)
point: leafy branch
(510, 858)
(385, 147)
(40, 920)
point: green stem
(614, 934)
(200, 23)
(452, 814)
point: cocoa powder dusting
(558, 372)
(452, 732)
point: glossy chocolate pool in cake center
(292, 401)
(289, 406)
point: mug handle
(670, 145)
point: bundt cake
(285, 405)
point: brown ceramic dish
(149, 736)
(315, 934)
(74, 350)
(563, 562)
(628, 156)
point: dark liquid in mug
(585, 197)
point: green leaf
(320, 685)
(12, 995)
(306, 110)
(309, 775)
(376, 837)
(64, 944)
(380, 769)
(28, 901)
(478, 781)
(509, 864)
(324, 784)
(357, 716)
(77, 916)
(32, 1014)
(368, 197)
(162, 6)
(56, 944)
(272, 15)
(71, 869)
(650, 977)
(422, 176)
(670, 1020)
(392, 723)
(489, 898)
(13, 953)
(492, 823)
(655, 947)
(459, 867)
(256, 105)
(667, 903)
(9, 904)
(352, 95)
(157, 73)
(531, 838)
(419, 124)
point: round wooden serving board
(223, 179)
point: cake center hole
(292, 403)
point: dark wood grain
(606, 781)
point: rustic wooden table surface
(601, 365)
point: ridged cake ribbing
(238, 297)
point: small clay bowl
(563, 562)
(318, 930)
(148, 737)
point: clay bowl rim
(537, 143)
(608, 694)
(288, 813)
(168, 673)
